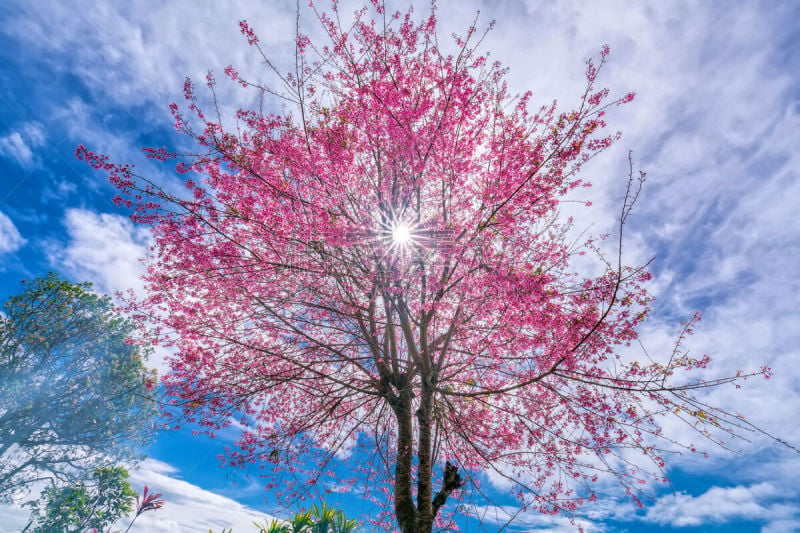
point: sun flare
(401, 234)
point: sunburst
(401, 234)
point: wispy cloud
(500, 515)
(720, 505)
(188, 507)
(13, 146)
(10, 238)
(20, 145)
(134, 52)
(60, 191)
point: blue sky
(716, 124)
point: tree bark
(425, 514)
(404, 508)
(419, 517)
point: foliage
(73, 388)
(380, 272)
(151, 501)
(318, 519)
(80, 507)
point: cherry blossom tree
(378, 273)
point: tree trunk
(404, 508)
(419, 517)
(425, 514)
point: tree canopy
(73, 387)
(379, 272)
(84, 506)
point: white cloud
(136, 51)
(14, 147)
(720, 505)
(108, 251)
(59, 192)
(781, 526)
(35, 134)
(102, 248)
(14, 518)
(18, 145)
(188, 507)
(500, 515)
(10, 238)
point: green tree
(73, 387)
(81, 507)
